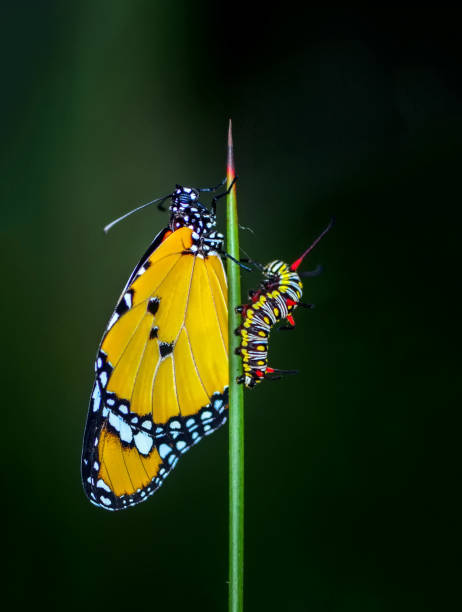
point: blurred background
(352, 467)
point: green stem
(236, 403)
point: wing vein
(125, 464)
(183, 326)
(126, 346)
(194, 362)
(215, 309)
(187, 300)
(159, 361)
(160, 283)
(219, 283)
(175, 387)
(137, 372)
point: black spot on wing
(153, 305)
(153, 333)
(165, 349)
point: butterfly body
(187, 211)
(161, 372)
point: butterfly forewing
(161, 373)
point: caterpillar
(276, 299)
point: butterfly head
(187, 211)
(185, 196)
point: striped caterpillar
(277, 297)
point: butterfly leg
(222, 195)
(241, 265)
(214, 188)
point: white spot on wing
(143, 443)
(114, 318)
(128, 299)
(126, 434)
(164, 450)
(114, 421)
(102, 485)
(96, 398)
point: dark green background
(351, 479)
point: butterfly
(161, 371)
(276, 299)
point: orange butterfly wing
(161, 373)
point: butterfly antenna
(298, 261)
(162, 199)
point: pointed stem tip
(230, 158)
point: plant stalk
(236, 401)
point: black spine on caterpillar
(276, 299)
